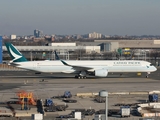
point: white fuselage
(110, 65)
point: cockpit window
(151, 64)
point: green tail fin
(14, 53)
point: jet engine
(101, 73)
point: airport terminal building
(80, 48)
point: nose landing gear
(147, 74)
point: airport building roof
(57, 48)
(134, 43)
(97, 46)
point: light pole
(52, 55)
(68, 55)
(31, 56)
(104, 93)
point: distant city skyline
(108, 17)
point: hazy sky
(109, 17)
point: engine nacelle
(101, 73)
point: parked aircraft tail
(14, 53)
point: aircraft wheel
(76, 76)
(81, 77)
(84, 77)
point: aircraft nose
(155, 69)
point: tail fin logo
(16, 56)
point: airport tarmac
(55, 84)
(112, 83)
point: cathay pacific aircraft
(81, 68)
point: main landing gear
(80, 77)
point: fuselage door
(35, 65)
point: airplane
(81, 68)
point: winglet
(65, 63)
(56, 56)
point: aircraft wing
(77, 68)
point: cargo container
(77, 115)
(37, 117)
(125, 111)
(153, 97)
(100, 117)
(67, 94)
(48, 102)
